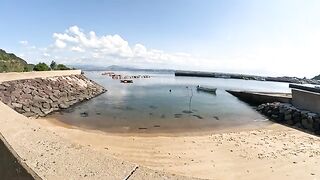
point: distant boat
(207, 89)
(126, 81)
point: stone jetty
(288, 114)
(41, 96)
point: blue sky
(275, 37)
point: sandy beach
(54, 150)
(273, 152)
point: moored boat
(206, 89)
(126, 81)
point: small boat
(207, 89)
(126, 81)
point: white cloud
(23, 42)
(64, 37)
(77, 49)
(46, 55)
(113, 48)
(60, 44)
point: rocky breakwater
(41, 96)
(288, 114)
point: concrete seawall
(11, 165)
(306, 100)
(35, 74)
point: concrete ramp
(257, 98)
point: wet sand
(159, 128)
(271, 152)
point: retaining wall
(35, 74)
(41, 96)
(306, 100)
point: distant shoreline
(285, 79)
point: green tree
(53, 65)
(25, 69)
(62, 67)
(41, 67)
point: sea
(165, 103)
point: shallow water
(147, 105)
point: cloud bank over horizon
(75, 46)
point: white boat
(207, 89)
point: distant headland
(9, 62)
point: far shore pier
(246, 77)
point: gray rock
(26, 109)
(5, 84)
(27, 90)
(275, 117)
(28, 114)
(16, 105)
(47, 111)
(307, 123)
(63, 106)
(46, 105)
(39, 99)
(84, 114)
(19, 110)
(53, 98)
(36, 110)
(287, 117)
(316, 124)
(26, 96)
(2, 87)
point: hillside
(317, 77)
(9, 62)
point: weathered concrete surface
(306, 100)
(11, 166)
(257, 98)
(35, 74)
(53, 157)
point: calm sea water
(147, 105)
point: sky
(274, 37)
